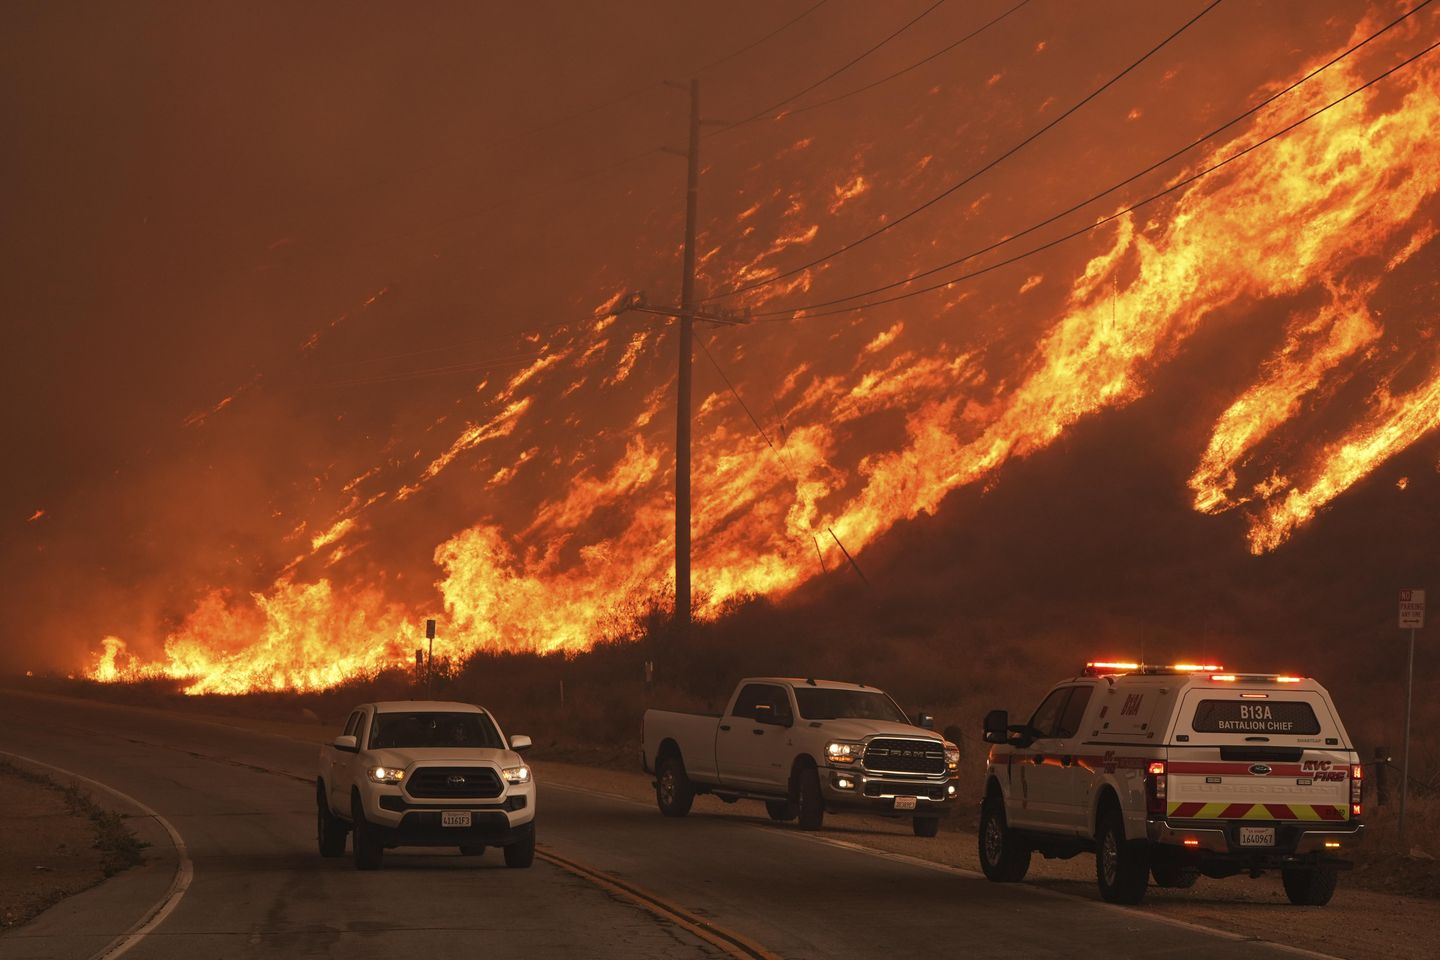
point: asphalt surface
(633, 884)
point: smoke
(402, 404)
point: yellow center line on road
(732, 943)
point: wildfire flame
(1337, 207)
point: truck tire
(674, 793)
(1173, 876)
(330, 830)
(1309, 886)
(471, 849)
(521, 854)
(781, 811)
(925, 826)
(368, 848)
(1003, 858)
(811, 806)
(1122, 867)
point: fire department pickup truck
(803, 746)
(1173, 773)
(428, 774)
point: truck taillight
(1155, 788)
(1357, 786)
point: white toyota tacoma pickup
(803, 746)
(425, 774)
(1173, 773)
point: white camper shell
(1175, 772)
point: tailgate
(1246, 755)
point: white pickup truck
(1175, 772)
(425, 774)
(803, 746)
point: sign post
(430, 665)
(1412, 617)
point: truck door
(1036, 769)
(342, 768)
(744, 739)
(1076, 777)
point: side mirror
(997, 726)
(346, 744)
(519, 742)
(923, 719)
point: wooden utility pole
(682, 407)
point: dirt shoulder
(58, 842)
(1359, 923)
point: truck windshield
(433, 729)
(820, 703)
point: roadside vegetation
(59, 841)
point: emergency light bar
(1104, 668)
(1112, 668)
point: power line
(904, 70)
(755, 43)
(567, 117)
(891, 224)
(834, 73)
(1133, 207)
(1012, 237)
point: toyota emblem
(455, 779)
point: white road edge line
(976, 875)
(184, 870)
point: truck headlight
(520, 774)
(386, 774)
(844, 752)
(952, 756)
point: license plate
(1257, 836)
(904, 803)
(455, 818)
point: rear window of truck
(1255, 716)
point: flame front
(1319, 221)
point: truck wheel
(1173, 876)
(925, 826)
(329, 829)
(811, 813)
(781, 811)
(522, 854)
(1122, 867)
(1309, 886)
(1003, 858)
(368, 848)
(471, 849)
(674, 793)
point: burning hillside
(534, 512)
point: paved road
(243, 807)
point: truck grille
(453, 783)
(904, 756)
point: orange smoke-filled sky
(307, 305)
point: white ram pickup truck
(424, 773)
(1173, 773)
(803, 747)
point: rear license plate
(455, 818)
(1257, 836)
(904, 803)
